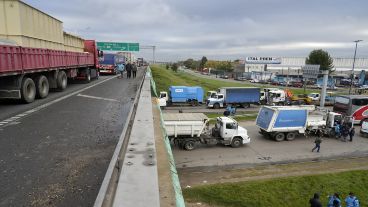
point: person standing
(351, 133)
(317, 142)
(134, 69)
(351, 200)
(129, 70)
(315, 202)
(120, 68)
(334, 200)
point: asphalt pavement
(55, 152)
(264, 151)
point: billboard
(263, 60)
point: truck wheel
(216, 106)
(28, 90)
(290, 136)
(237, 142)
(42, 86)
(279, 137)
(189, 145)
(61, 81)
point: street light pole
(352, 71)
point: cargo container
(27, 73)
(182, 94)
(235, 96)
(286, 122)
(73, 43)
(29, 27)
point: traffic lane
(59, 155)
(205, 109)
(10, 108)
(265, 151)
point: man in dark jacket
(134, 70)
(129, 69)
(315, 202)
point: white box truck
(187, 130)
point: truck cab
(210, 94)
(216, 101)
(163, 99)
(276, 97)
(230, 132)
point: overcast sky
(231, 29)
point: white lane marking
(99, 98)
(26, 113)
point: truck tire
(290, 136)
(61, 80)
(279, 137)
(42, 86)
(189, 145)
(216, 106)
(237, 142)
(28, 90)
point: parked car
(224, 76)
(241, 78)
(364, 128)
(254, 81)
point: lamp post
(352, 71)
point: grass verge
(242, 116)
(165, 78)
(282, 192)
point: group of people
(344, 131)
(335, 201)
(341, 131)
(129, 68)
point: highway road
(55, 152)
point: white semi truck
(187, 130)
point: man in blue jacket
(351, 200)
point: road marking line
(22, 115)
(99, 98)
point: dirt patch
(195, 176)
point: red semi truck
(28, 73)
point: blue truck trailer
(182, 94)
(235, 96)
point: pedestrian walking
(134, 70)
(317, 142)
(129, 68)
(334, 200)
(337, 130)
(351, 133)
(315, 202)
(352, 200)
(345, 132)
(120, 68)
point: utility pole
(352, 71)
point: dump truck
(187, 130)
(192, 95)
(287, 122)
(235, 96)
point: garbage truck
(236, 96)
(187, 130)
(181, 94)
(287, 122)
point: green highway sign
(118, 46)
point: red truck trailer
(28, 73)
